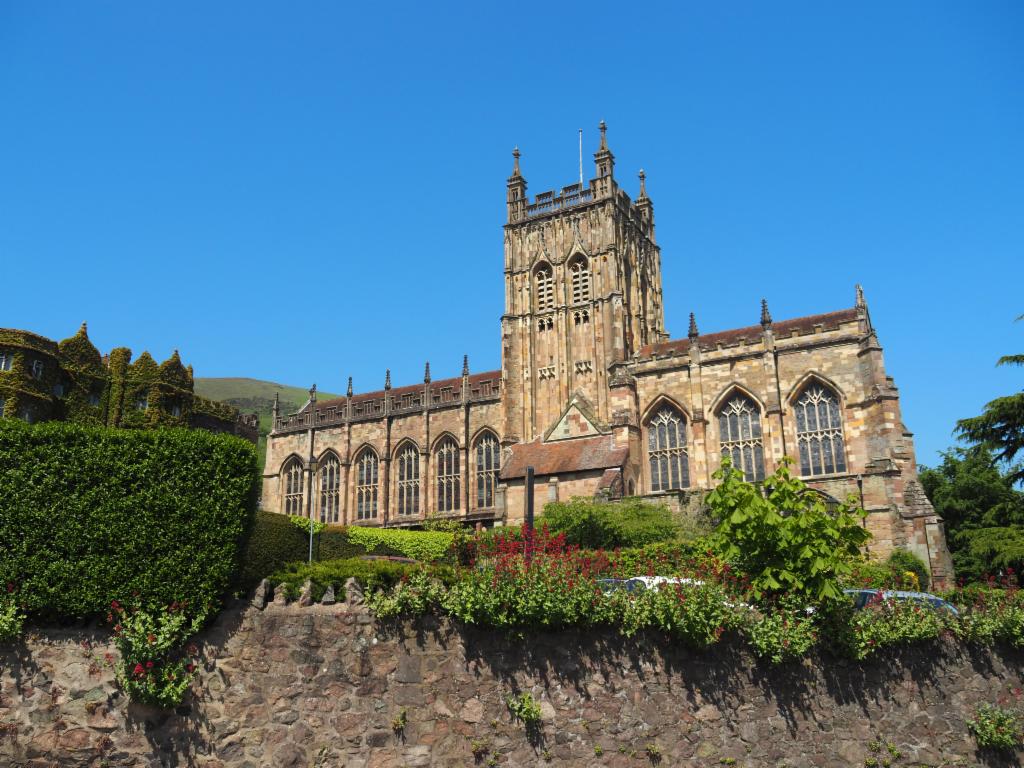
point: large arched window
(666, 450)
(545, 288)
(446, 459)
(330, 487)
(291, 476)
(579, 274)
(819, 431)
(739, 435)
(408, 480)
(487, 459)
(366, 485)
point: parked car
(862, 597)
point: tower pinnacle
(766, 316)
(693, 333)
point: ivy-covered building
(44, 380)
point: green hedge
(426, 546)
(90, 514)
(372, 574)
(602, 524)
(272, 541)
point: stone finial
(281, 594)
(353, 592)
(465, 365)
(694, 333)
(277, 404)
(312, 394)
(306, 597)
(387, 379)
(861, 303)
(515, 163)
(259, 599)
(643, 184)
(426, 373)
(348, 392)
(603, 127)
(766, 316)
(328, 598)
(84, 330)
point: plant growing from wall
(524, 708)
(997, 727)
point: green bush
(91, 514)
(11, 620)
(989, 616)
(785, 633)
(371, 574)
(903, 562)
(335, 544)
(271, 542)
(997, 728)
(882, 625)
(426, 546)
(596, 524)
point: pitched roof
(782, 329)
(564, 456)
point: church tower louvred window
(408, 481)
(366, 485)
(666, 450)
(486, 470)
(330, 486)
(580, 278)
(819, 432)
(292, 476)
(448, 478)
(545, 288)
(739, 433)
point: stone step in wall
(326, 686)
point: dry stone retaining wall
(327, 686)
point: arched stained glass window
(579, 274)
(408, 480)
(291, 475)
(366, 485)
(330, 489)
(819, 432)
(739, 434)
(545, 288)
(666, 450)
(487, 459)
(448, 479)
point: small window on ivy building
(5, 361)
(37, 369)
(58, 389)
(94, 399)
(176, 410)
(141, 403)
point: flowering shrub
(698, 614)
(154, 668)
(415, 594)
(989, 616)
(883, 624)
(785, 633)
(997, 728)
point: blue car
(861, 597)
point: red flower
(149, 665)
(190, 667)
(117, 628)
(138, 671)
(150, 638)
(192, 650)
(115, 605)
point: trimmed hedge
(426, 546)
(608, 524)
(272, 541)
(91, 514)
(372, 574)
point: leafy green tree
(1001, 426)
(983, 511)
(783, 536)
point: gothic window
(5, 361)
(819, 432)
(447, 459)
(366, 485)
(408, 481)
(292, 477)
(580, 279)
(739, 434)
(666, 450)
(545, 288)
(581, 317)
(37, 369)
(487, 458)
(330, 489)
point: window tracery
(666, 450)
(487, 460)
(330, 489)
(740, 438)
(545, 288)
(409, 481)
(579, 274)
(366, 485)
(448, 478)
(292, 475)
(819, 432)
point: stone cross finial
(603, 127)
(515, 162)
(694, 333)
(387, 379)
(465, 365)
(348, 392)
(312, 394)
(766, 316)
(643, 183)
(426, 373)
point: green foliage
(334, 543)
(883, 624)
(696, 614)
(303, 524)
(374, 575)
(786, 632)
(783, 536)
(605, 525)
(271, 542)
(670, 558)
(93, 514)
(415, 594)
(982, 510)
(426, 546)
(154, 668)
(997, 728)
(524, 708)
(11, 619)
(902, 562)
(989, 616)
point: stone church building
(600, 401)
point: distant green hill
(253, 395)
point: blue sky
(306, 191)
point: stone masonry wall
(324, 685)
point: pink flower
(149, 665)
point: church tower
(582, 291)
